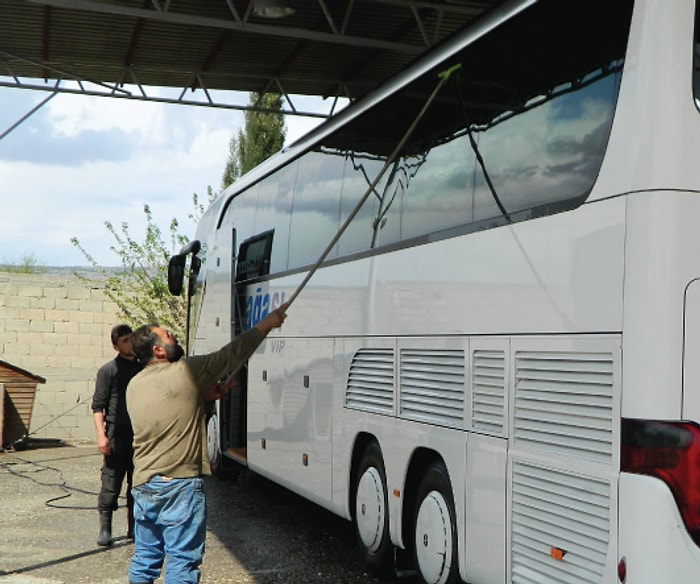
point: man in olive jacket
(166, 403)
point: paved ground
(258, 533)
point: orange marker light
(557, 553)
(397, 493)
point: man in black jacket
(114, 433)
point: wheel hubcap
(369, 509)
(213, 440)
(434, 539)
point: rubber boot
(105, 537)
(130, 517)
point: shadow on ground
(258, 532)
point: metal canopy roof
(121, 48)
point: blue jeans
(170, 522)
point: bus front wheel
(221, 466)
(372, 513)
(214, 444)
(435, 530)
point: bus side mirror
(176, 273)
(176, 266)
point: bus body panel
(485, 545)
(213, 313)
(564, 456)
(661, 261)
(691, 350)
(649, 149)
(653, 539)
(560, 273)
(290, 401)
(532, 320)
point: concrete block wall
(57, 326)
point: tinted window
(519, 130)
(316, 207)
(535, 100)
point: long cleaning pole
(444, 76)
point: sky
(80, 161)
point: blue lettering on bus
(259, 305)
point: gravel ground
(258, 533)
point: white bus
(495, 372)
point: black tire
(434, 546)
(371, 517)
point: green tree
(139, 287)
(199, 206)
(262, 136)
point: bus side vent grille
(561, 513)
(564, 403)
(432, 386)
(371, 381)
(488, 391)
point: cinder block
(43, 302)
(9, 336)
(67, 304)
(55, 361)
(54, 338)
(15, 301)
(80, 316)
(91, 328)
(18, 325)
(29, 337)
(31, 291)
(9, 313)
(99, 294)
(41, 326)
(83, 362)
(92, 305)
(32, 313)
(66, 327)
(56, 292)
(78, 293)
(12, 351)
(57, 315)
(95, 351)
(32, 362)
(42, 350)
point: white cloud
(80, 161)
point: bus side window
(240, 213)
(273, 210)
(316, 207)
(358, 174)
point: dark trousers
(115, 467)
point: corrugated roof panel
(308, 53)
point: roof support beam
(30, 113)
(157, 99)
(239, 26)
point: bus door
(251, 262)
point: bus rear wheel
(372, 513)
(435, 530)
